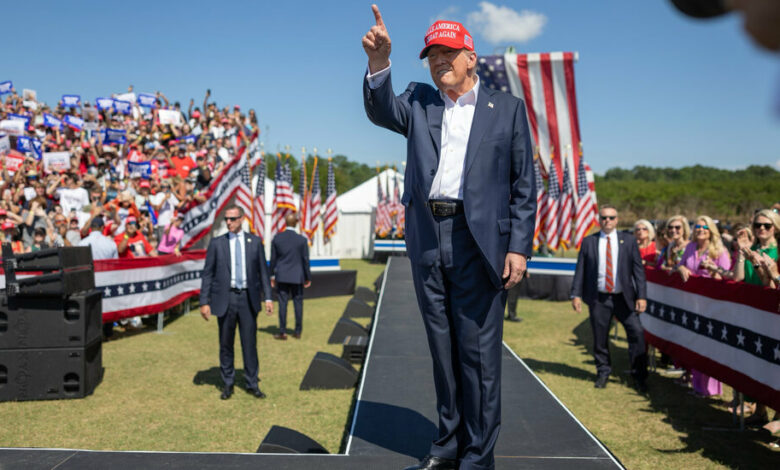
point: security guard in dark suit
(290, 273)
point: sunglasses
(608, 217)
(675, 227)
(231, 219)
(700, 226)
(764, 226)
(640, 229)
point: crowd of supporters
(128, 174)
(742, 252)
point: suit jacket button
(433, 172)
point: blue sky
(654, 88)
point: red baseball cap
(447, 33)
(7, 225)
(144, 184)
(196, 114)
(131, 220)
(3, 212)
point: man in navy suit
(290, 273)
(610, 279)
(470, 208)
(234, 278)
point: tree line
(348, 173)
(658, 193)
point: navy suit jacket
(499, 192)
(630, 271)
(215, 280)
(290, 258)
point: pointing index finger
(377, 16)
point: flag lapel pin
(490, 104)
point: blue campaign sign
(51, 121)
(146, 100)
(37, 148)
(20, 117)
(71, 101)
(141, 170)
(115, 136)
(189, 139)
(24, 144)
(6, 87)
(124, 107)
(74, 122)
(104, 103)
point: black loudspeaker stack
(50, 326)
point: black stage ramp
(396, 410)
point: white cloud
(449, 13)
(501, 24)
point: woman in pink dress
(706, 245)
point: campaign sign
(20, 117)
(115, 136)
(6, 87)
(147, 100)
(139, 169)
(56, 162)
(13, 162)
(189, 139)
(74, 122)
(24, 144)
(124, 107)
(104, 103)
(5, 144)
(51, 121)
(12, 127)
(71, 101)
(169, 116)
(37, 146)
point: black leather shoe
(256, 392)
(431, 462)
(514, 319)
(601, 381)
(227, 392)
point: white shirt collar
(470, 97)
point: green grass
(666, 429)
(160, 392)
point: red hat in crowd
(144, 184)
(85, 145)
(447, 33)
(196, 114)
(237, 107)
(7, 225)
(131, 220)
(3, 213)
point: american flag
(551, 221)
(399, 209)
(315, 202)
(565, 208)
(545, 82)
(244, 190)
(541, 206)
(383, 223)
(284, 203)
(258, 207)
(255, 154)
(331, 214)
(303, 204)
(587, 209)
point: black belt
(444, 208)
(236, 290)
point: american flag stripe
(315, 201)
(258, 206)
(551, 222)
(541, 206)
(331, 213)
(574, 124)
(565, 211)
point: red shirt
(183, 166)
(648, 254)
(137, 245)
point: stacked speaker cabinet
(50, 325)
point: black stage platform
(395, 416)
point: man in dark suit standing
(234, 278)
(610, 279)
(470, 205)
(290, 273)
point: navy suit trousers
(601, 313)
(289, 291)
(463, 315)
(239, 312)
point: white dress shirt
(602, 281)
(455, 131)
(232, 244)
